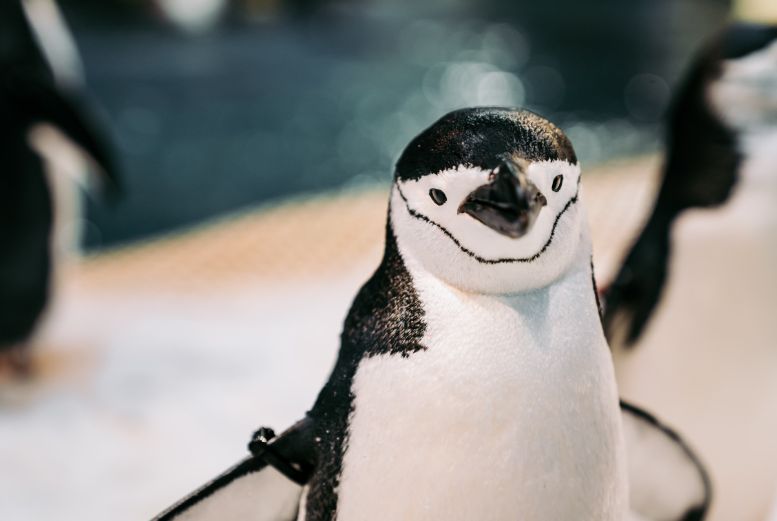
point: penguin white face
(745, 94)
(505, 229)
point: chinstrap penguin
(474, 380)
(696, 294)
(721, 134)
(31, 100)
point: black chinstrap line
(474, 255)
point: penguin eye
(557, 182)
(438, 196)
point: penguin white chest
(510, 412)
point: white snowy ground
(143, 395)
(158, 361)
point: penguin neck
(579, 274)
(751, 204)
(760, 154)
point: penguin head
(485, 199)
(743, 87)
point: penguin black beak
(509, 204)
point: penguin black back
(25, 202)
(25, 224)
(19, 54)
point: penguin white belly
(66, 167)
(707, 359)
(510, 412)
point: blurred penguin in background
(696, 296)
(44, 137)
(721, 142)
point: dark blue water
(254, 111)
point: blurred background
(255, 141)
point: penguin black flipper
(25, 224)
(700, 171)
(36, 100)
(666, 479)
(267, 486)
